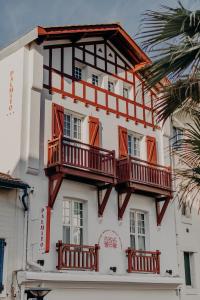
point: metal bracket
(103, 202)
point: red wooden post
(158, 261)
(60, 260)
(129, 252)
(97, 247)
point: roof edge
(19, 43)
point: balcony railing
(143, 261)
(76, 154)
(140, 171)
(77, 257)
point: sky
(17, 17)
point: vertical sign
(42, 229)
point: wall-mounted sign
(42, 229)
(110, 239)
(10, 93)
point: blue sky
(19, 16)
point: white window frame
(71, 218)
(135, 233)
(177, 137)
(96, 80)
(134, 144)
(111, 83)
(71, 130)
(78, 72)
(128, 92)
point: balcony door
(73, 133)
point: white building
(73, 108)
(13, 218)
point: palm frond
(162, 26)
(183, 94)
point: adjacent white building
(78, 127)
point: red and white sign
(110, 239)
(43, 229)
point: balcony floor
(143, 188)
(80, 175)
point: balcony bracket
(55, 182)
(123, 201)
(103, 199)
(160, 211)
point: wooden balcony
(80, 161)
(77, 257)
(144, 177)
(143, 261)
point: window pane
(66, 212)
(66, 235)
(141, 243)
(125, 93)
(78, 73)
(67, 125)
(132, 241)
(110, 86)
(95, 79)
(187, 268)
(129, 144)
(77, 236)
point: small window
(72, 126)
(134, 145)
(73, 222)
(137, 230)
(187, 265)
(2, 250)
(95, 80)
(125, 92)
(111, 86)
(177, 136)
(78, 73)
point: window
(137, 230)
(111, 86)
(125, 92)
(78, 73)
(2, 249)
(72, 126)
(177, 136)
(95, 80)
(73, 222)
(187, 265)
(133, 145)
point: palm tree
(172, 37)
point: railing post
(60, 150)
(130, 167)
(59, 249)
(129, 255)
(114, 164)
(96, 247)
(158, 261)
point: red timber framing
(106, 59)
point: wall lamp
(37, 293)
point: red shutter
(123, 141)
(94, 131)
(57, 120)
(151, 150)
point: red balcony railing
(140, 171)
(77, 257)
(143, 261)
(80, 155)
